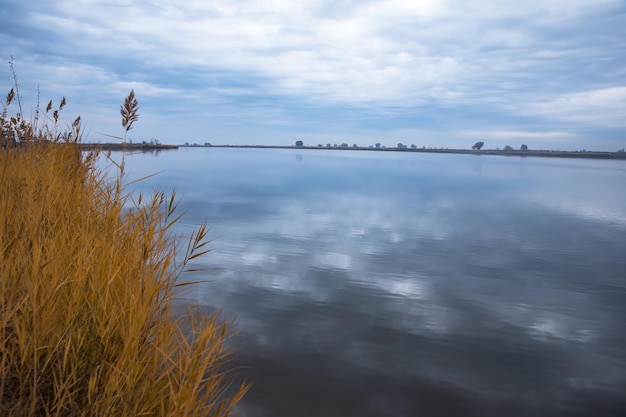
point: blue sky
(436, 73)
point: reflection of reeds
(87, 281)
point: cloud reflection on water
(504, 283)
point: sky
(550, 74)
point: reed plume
(129, 111)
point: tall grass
(88, 276)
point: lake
(410, 284)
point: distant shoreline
(520, 153)
(127, 146)
(496, 152)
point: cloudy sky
(441, 73)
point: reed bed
(88, 281)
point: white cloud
(605, 106)
(144, 88)
(551, 59)
(512, 134)
(353, 58)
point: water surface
(406, 284)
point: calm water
(402, 284)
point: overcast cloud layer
(441, 73)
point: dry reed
(88, 276)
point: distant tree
(378, 145)
(299, 143)
(508, 148)
(478, 145)
(401, 146)
(355, 146)
(328, 145)
(344, 145)
(621, 150)
(413, 146)
(523, 148)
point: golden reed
(88, 276)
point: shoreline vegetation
(91, 289)
(486, 152)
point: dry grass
(87, 282)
